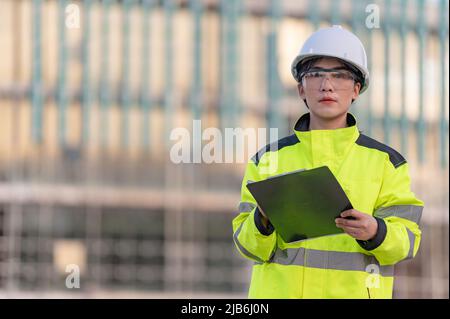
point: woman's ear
(356, 89)
(301, 91)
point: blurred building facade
(91, 90)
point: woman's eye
(316, 74)
(341, 76)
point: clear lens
(339, 79)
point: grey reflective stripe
(329, 260)
(409, 212)
(246, 207)
(242, 248)
(412, 239)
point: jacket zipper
(368, 292)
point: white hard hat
(338, 43)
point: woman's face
(328, 97)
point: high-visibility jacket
(376, 179)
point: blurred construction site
(90, 92)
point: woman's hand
(363, 227)
(264, 218)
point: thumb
(262, 212)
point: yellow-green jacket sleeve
(251, 238)
(398, 213)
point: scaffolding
(86, 114)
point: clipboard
(302, 204)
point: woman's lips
(327, 101)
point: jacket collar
(326, 147)
(302, 124)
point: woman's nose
(326, 85)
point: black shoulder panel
(275, 146)
(395, 157)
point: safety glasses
(340, 78)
